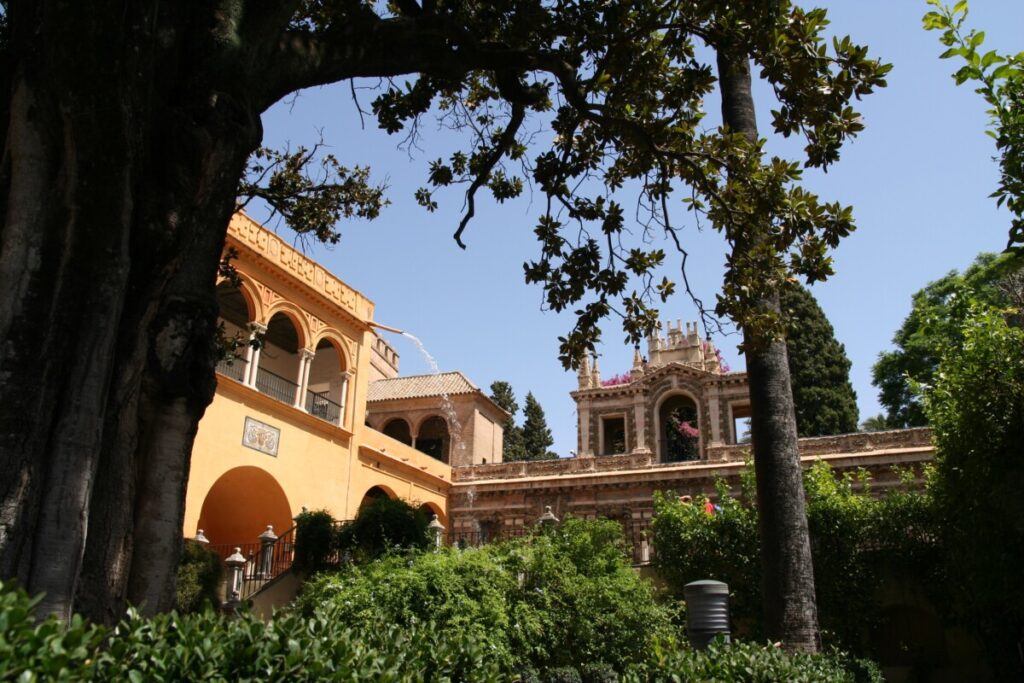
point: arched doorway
(679, 437)
(433, 438)
(398, 429)
(240, 505)
(278, 372)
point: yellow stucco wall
(234, 491)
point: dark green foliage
(563, 674)
(818, 368)
(172, 648)
(537, 437)
(853, 537)
(199, 575)
(562, 598)
(382, 526)
(935, 319)
(976, 409)
(752, 663)
(321, 646)
(314, 540)
(598, 672)
(875, 423)
(512, 440)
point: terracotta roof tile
(420, 386)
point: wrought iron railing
(318, 405)
(263, 564)
(276, 386)
(234, 368)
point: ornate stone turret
(584, 372)
(595, 375)
(682, 345)
(638, 364)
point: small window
(740, 424)
(613, 436)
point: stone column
(583, 408)
(343, 397)
(305, 362)
(640, 418)
(252, 355)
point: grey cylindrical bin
(707, 611)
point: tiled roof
(420, 386)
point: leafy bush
(854, 537)
(208, 646)
(321, 646)
(314, 540)
(750, 663)
(199, 576)
(382, 526)
(561, 598)
(976, 409)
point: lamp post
(436, 530)
(235, 562)
(201, 538)
(548, 519)
(267, 540)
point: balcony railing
(276, 386)
(235, 368)
(318, 405)
(283, 390)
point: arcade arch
(398, 429)
(240, 505)
(433, 439)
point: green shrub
(199, 576)
(561, 598)
(563, 674)
(210, 647)
(855, 540)
(599, 672)
(382, 526)
(740, 662)
(314, 540)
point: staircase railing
(264, 561)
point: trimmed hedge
(199, 576)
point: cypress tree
(823, 397)
(512, 442)
(537, 437)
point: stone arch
(398, 429)
(430, 509)
(295, 315)
(433, 437)
(240, 505)
(279, 358)
(376, 493)
(678, 404)
(327, 382)
(340, 344)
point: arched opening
(433, 438)
(328, 383)
(278, 371)
(679, 439)
(431, 509)
(235, 313)
(240, 505)
(398, 429)
(376, 493)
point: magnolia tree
(130, 128)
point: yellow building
(288, 427)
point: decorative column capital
(307, 354)
(257, 327)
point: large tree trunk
(118, 182)
(788, 575)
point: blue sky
(918, 178)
